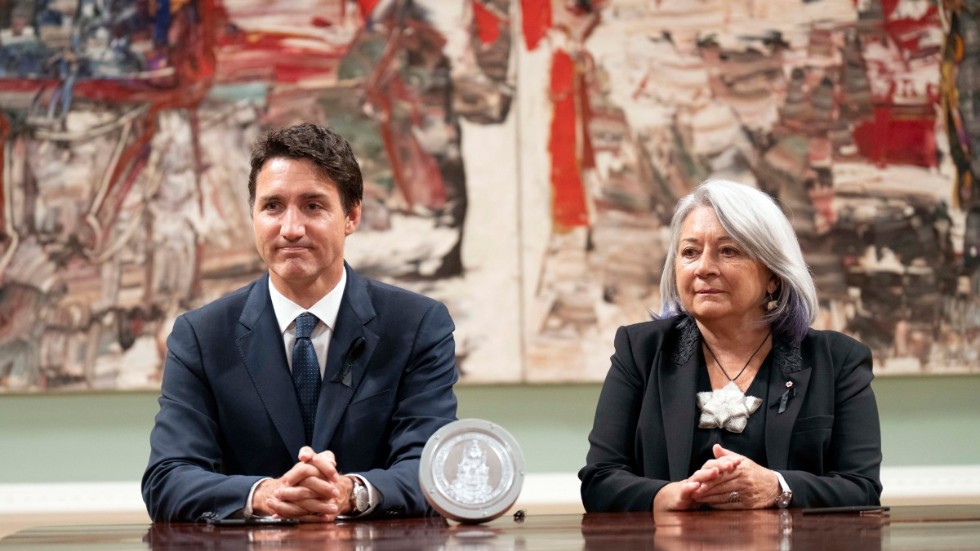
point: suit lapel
(351, 347)
(788, 382)
(262, 352)
(678, 387)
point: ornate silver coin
(471, 470)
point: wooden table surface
(902, 528)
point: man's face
(300, 227)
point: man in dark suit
(260, 415)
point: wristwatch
(785, 495)
(360, 498)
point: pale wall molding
(545, 492)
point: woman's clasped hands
(729, 481)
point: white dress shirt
(326, 310)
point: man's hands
(312, 490)
(714, 483)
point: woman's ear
(773, 285)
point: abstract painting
(521, 161)
(860, 117)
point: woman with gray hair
(730, 400)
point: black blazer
(826, 443)
(229, 414)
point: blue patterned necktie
(306, 371)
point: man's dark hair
(328, 151)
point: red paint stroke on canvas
(907, 32)
(367, 6)
(416, 172)
(279, 57)
(487, 23)
(536, 21)
(899, 137)
(568, 194)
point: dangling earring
(772, 303)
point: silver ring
(734, 497)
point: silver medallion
(471, 470)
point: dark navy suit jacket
(229, 414)
(826, 442)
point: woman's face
(716, 278)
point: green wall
(103, 437)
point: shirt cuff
(782, 482)
(247, 510)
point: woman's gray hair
(757, 224)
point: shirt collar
(326, 309)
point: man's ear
(353, 219)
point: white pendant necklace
(728, 407)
